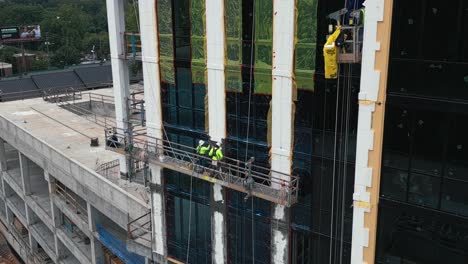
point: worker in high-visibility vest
(216, 155)
(202, 149)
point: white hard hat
(218, 144)
(201, 142)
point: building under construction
(342, 127)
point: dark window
(247, 238)
(428, 142)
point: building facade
(379, 152)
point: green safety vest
(204, 149)
(218, 155)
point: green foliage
(40, 64)
(131, 18)
(67, 26)
(20, 14)
(6, 54)
(71, 27)
(66, 55)
(100, 41)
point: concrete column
(282, 117)
(34, 244)
(150, 61)
(53, 208)
(120, 73)
(152, 81)
(25, 174)
(215, 55)
(96, 252)
(55, 213)
(9, 215)
(218, 220)
(158, 209)
(31, 217)
(215, 39)
(3, 161)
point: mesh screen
(306, 38)
(263, 46)
(166, 44)
(233, 29)
(197, 15)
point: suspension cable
(334, 165)
(250, 79)
(248, 119)
(190, 218)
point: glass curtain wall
(248, 96)
(325, 127)
(183, 89)
(423, 212)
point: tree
(40, 64)
(6, 54)
(20, 15)
(131, 18)
(100, 41)
(66, 26)
(66, 55)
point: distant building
(24, 61)
(6, 69)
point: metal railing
(41, 257)
(132, 42)
(64, 99)
(13, 96)
(107, 166)
(140, 228)
(70, 199)
(242, 176)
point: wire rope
(248, 119)
(190, 218)
(334, 166)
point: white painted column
(282, 103)
(153, 108)
(215, 55)
(3, 161)
(215, 67)
(372, 94)
(120, 73)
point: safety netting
(306, 38)
(117, 247)
(197, 16)
(166, 43)
(233, 29)
(263, 46)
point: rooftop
(69, 133)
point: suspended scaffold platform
(241, 176)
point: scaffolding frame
(246, 177)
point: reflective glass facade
(423, 212)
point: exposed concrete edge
(76, 251)
(39, 151)
(43, 243)
(138, 248)
(82, 225)
(12, 242)
(40, 212)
